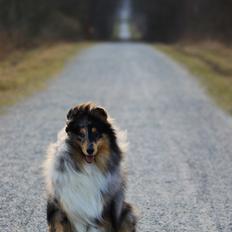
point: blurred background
(197, 33)
(146, 20)
(180, 165)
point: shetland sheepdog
(84, 176)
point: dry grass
(211, 63)
(24, 71)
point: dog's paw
(128, 219)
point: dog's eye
(96, 134)
(81, 132)
(81, 135)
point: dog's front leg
(56, 218)
(128, 219)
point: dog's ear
(101, 113)
(70, 116)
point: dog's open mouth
(89, 158)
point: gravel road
(180, 158)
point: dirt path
(180, 161)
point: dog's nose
(90, 149)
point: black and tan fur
(89, 142)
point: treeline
(156, 20)
(168, 20)
(57, 19)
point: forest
(56, 19)
(156, 20)
(168, 20)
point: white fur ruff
(79, 193)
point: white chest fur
(80, 193)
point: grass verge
(24, 71)
(211, 63)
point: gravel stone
(179, 161)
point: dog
(84, 176)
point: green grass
(211, 63)
(23, 72)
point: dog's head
(89, 130)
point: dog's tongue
(89, 158)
